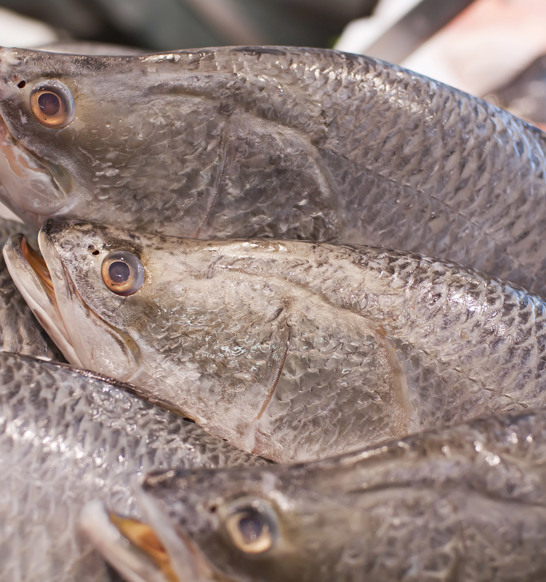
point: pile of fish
(207, 236)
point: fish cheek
(41, 158)
(98, 320)
(279, 564)
(102, 345)
(123, 139)
(129, 315)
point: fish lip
(94, 523)
(31, 276)
(115, 537)
(188, 563)
(48, 187)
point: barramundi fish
(460, 504)
(274, 142)
(66, 437)
(290, 350)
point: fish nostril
(21, 84)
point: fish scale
(483, 209)
(282, 143)
(288, 349)
(66, 436)
(459, 503)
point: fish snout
(8, 68)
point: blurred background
(491, 48)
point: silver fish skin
(460, 504)
(66, 437)
(291, 350)
(276, 142)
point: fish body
(291, 350)
(465, 503)
(273, 142)
(66, 437)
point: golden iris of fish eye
(122, 272)
(251, 527)
(52, 104)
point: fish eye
(122, 272)
(251, 526)
(52, 104)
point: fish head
(73, 129)
(211, 525)
(159, 312)
(49, 125)
(217, 331)
(58, 288)
(375, 514)
(314, 521)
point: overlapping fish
(68, 436)
(277, 142)
(291, 350)
(459, 504)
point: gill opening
(276, 378)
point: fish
(290, 350)
(19, 330)
(275, 142)
(8, 226)
(462, 503)
(66, 437)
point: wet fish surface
(291, 350)
(274, 142)
(67, 436)
(19, 330)
(465, 503)
(9, 227)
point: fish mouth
(32, 187)
(31, 275)
(46, 284)
(139, 551)
(133, 563)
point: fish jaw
(130, 562)
(27, 184)
(35, 286)
(135, 548)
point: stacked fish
(400, 394)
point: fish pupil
(251, 528)
(119, 272)
(49, 103)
